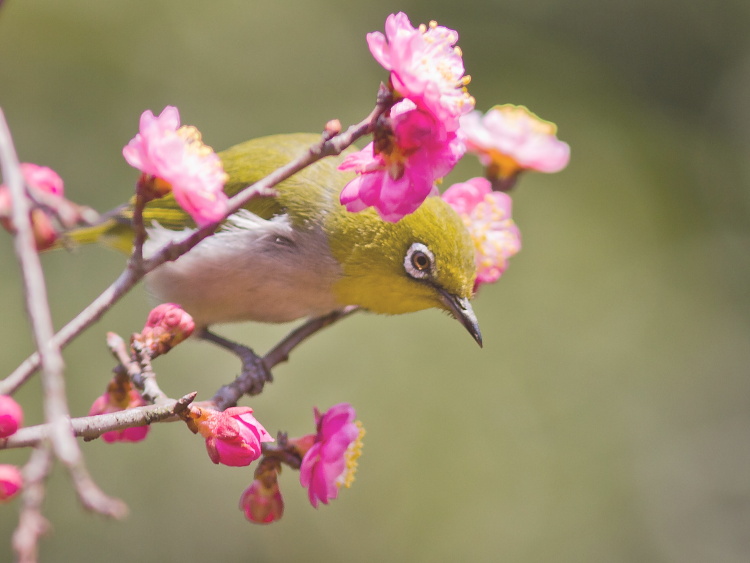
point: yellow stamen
(352, 455)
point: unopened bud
(167, 326)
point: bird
(299, 253)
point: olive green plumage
(300, 253)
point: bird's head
(425, 260)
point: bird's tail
(113, 230)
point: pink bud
(167, 325)
(233, 437)
(45, 180)
(262, 501)
(11, 482)
(11, 416)
(118, 397)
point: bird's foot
(254, 375)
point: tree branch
(50, 358)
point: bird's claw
(254, 374)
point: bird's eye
(419, 261)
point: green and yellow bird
(301, 253)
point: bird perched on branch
(300, 253)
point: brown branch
(50, 358)
(328, 146)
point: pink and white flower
(509, 139)
(174, 157)
(425, 66)
(330, 459)
(487, 216)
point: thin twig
(130, 277)
(228, 395)
(139, 371)
(50, 358)
(31, 523)
(280, 352)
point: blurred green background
(607, 417)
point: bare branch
(91, 427)
(50, 358)
(31, 523)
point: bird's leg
(255, 374)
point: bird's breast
(254, 269)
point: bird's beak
(461, 310)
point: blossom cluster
(429, 127)
(418, 142)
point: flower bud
(262, 502)
(120, 395)
(11, 416)
(11, 482)
(167, 325)
(233, 437)
(44, 180)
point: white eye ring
(419, 261)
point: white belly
(252, 270)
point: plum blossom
(11, 482)
(233, 437)
(397, 172)
(487, 216)
(44, 180)
(425, 66)
(262, 502)
(330, 455)
(120, 395)
(509, 139)
(167, 325)
(174, 158)
(11, 416)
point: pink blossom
(167, 325)
(118, 397)
(425, 66)
(42, 179)
(11, 482)
(233, 437)
(11, 416)
(487, 215)
(332, 459)
(398, 172)
(509, 139)
(164, 151)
